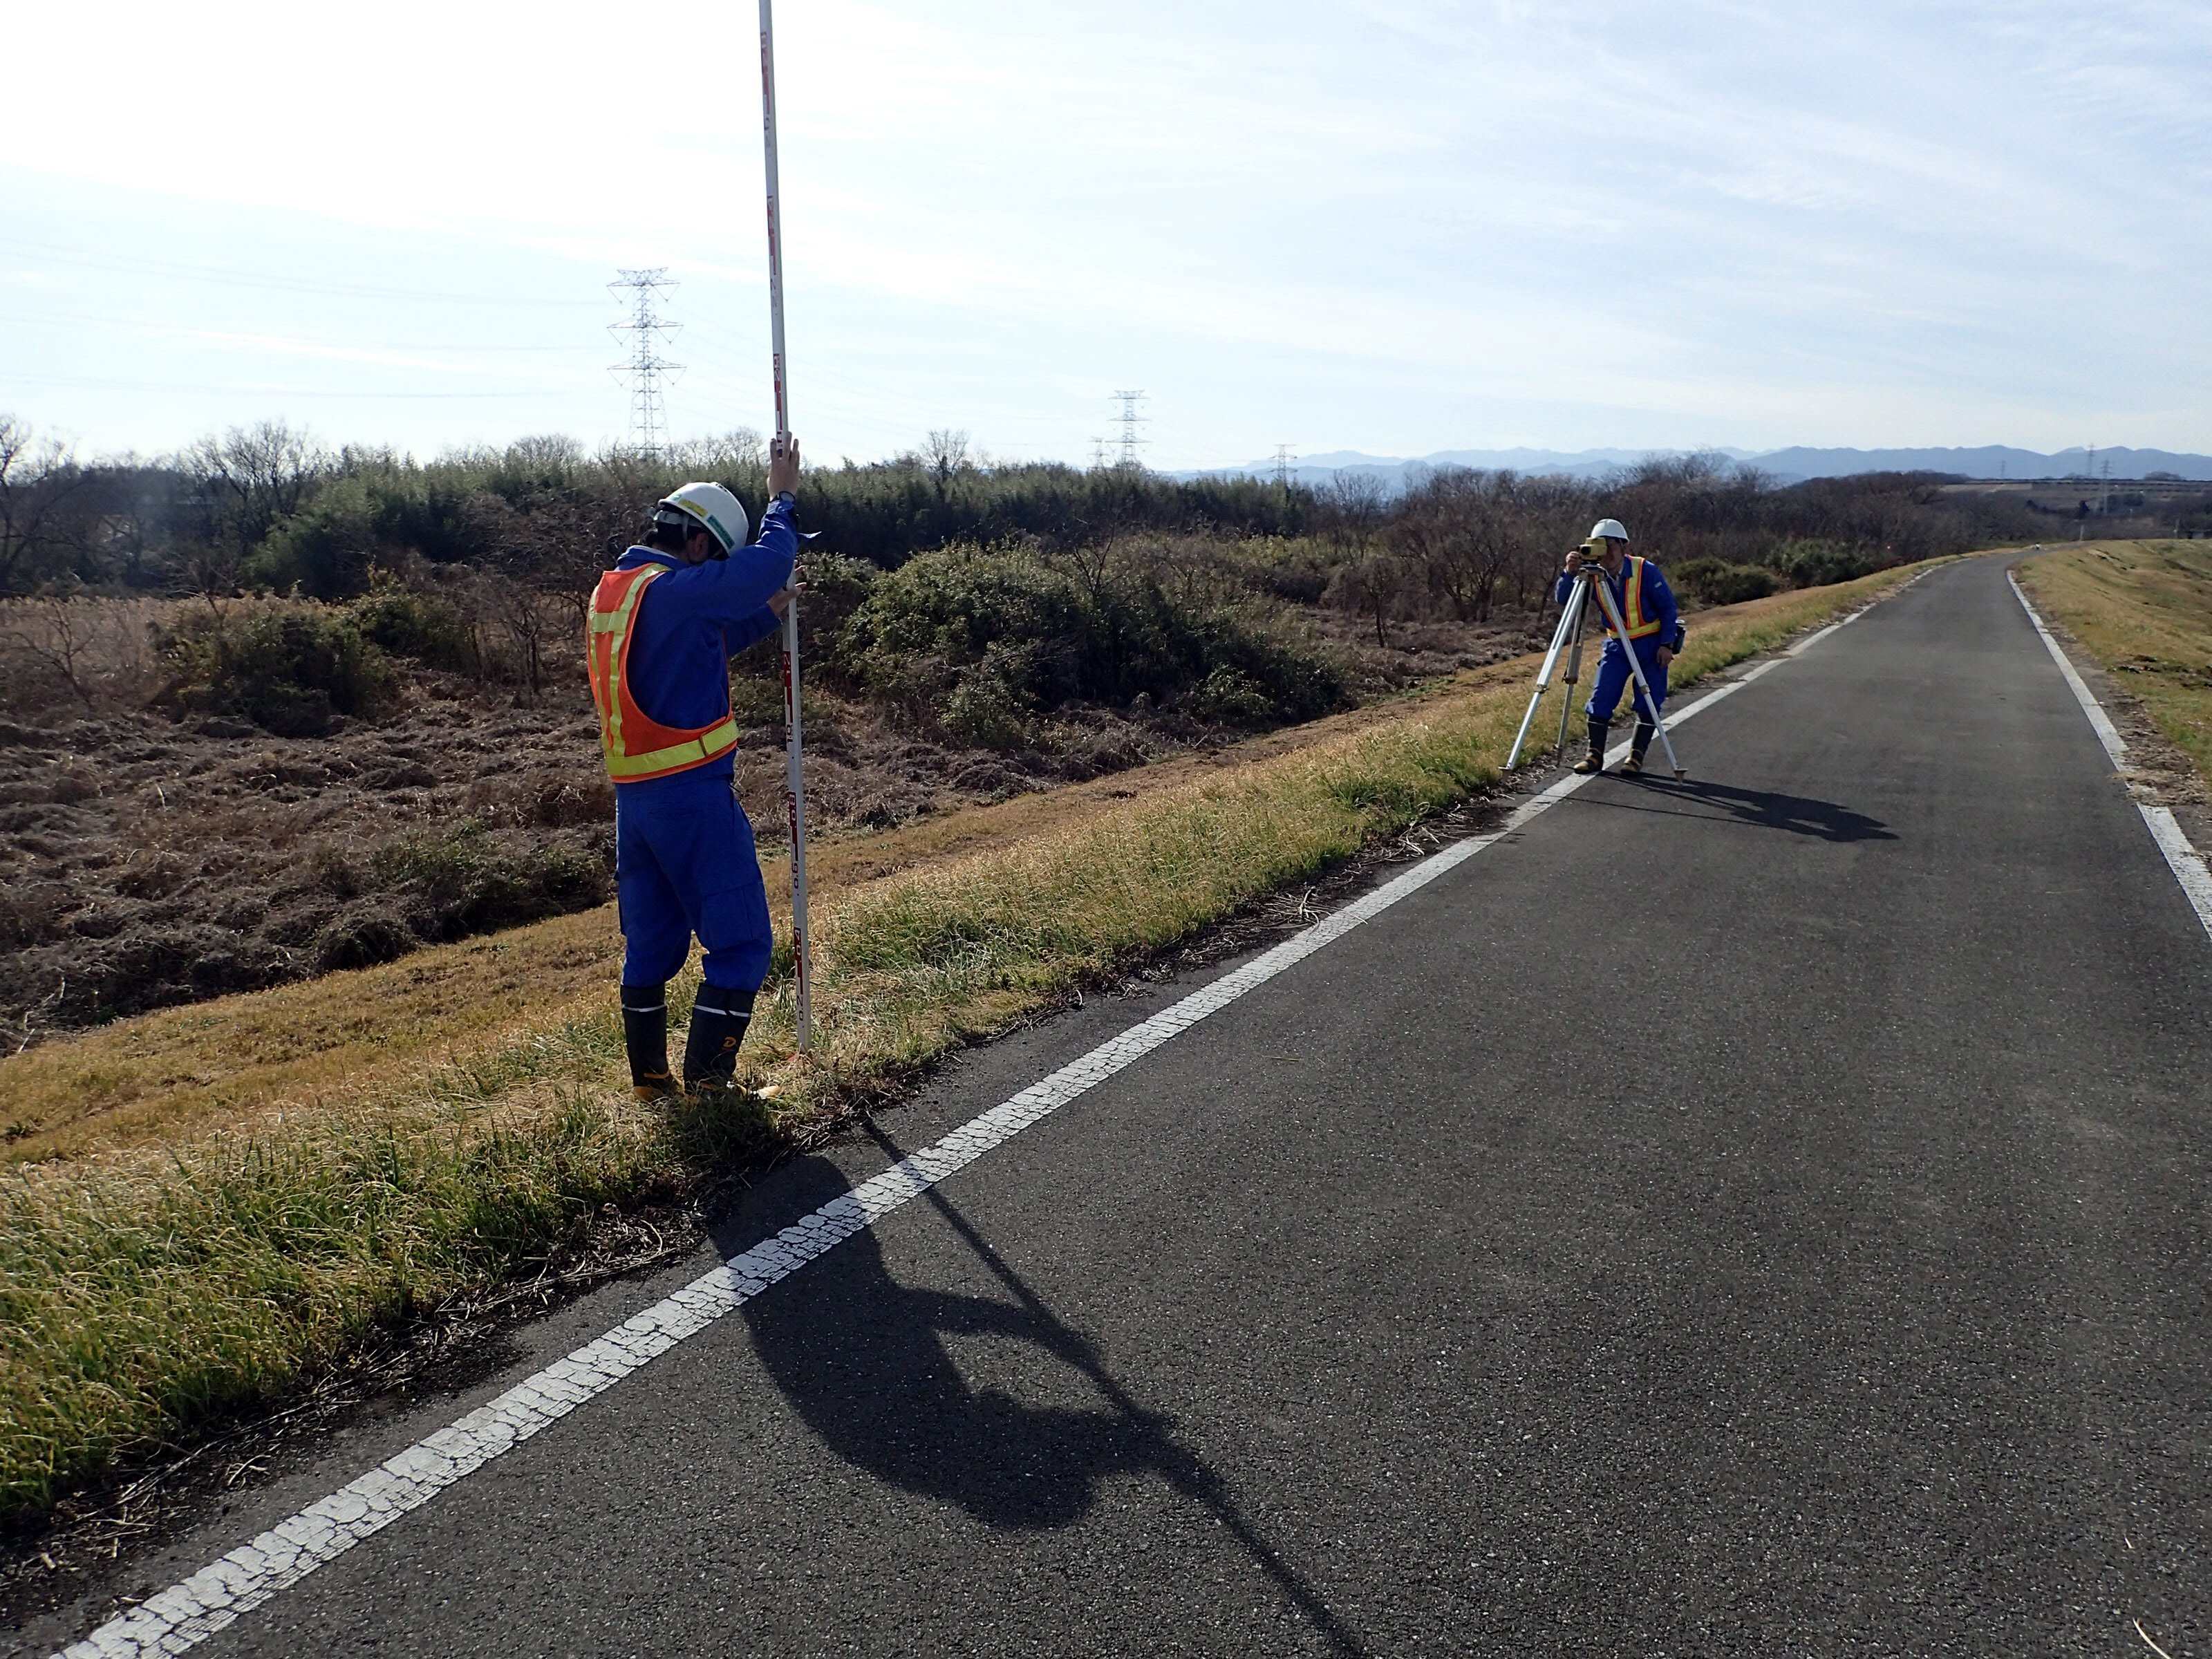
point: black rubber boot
(645, 1035)
(719, 1019)
(1594, 761)
(1638, 746)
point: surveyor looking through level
(665, 623)
(1646, 605)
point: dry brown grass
(93, 652)
(2144, 611)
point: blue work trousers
(1614, 679)
(684, 864)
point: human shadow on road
(1758, 808)
(864, 1362)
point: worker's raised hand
(780, 601)
(1574, 561)
(782, 467)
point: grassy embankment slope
(231, 1195)
(2144, 611)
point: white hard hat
(1612, 527)
(710, 508)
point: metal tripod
(1568, 637)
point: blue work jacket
(693, 620)
(1654, 602)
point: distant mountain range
(1991, 461)
(1788, 465)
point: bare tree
(521, 614)
(736, 454)
(135, 511)
(946, 453)
(1352, 506)
(1459, 528)
(258, 474)
(38, 477)
(51, 631)
(546, 452)
(1556, 512)
(99, 649)
(1373, 587)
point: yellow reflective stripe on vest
(690, 752)
(616, 622)
(1632, 612)
(717, 739)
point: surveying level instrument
(1567, 638)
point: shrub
(1719, 582)
(1811, 562)
(425, 626)
(990, 704)
(1232, 697)
(287, 670)
(329, 549)
(467, 880)
(363, 938)
(987, 638)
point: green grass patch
(144, 1296)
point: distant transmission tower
(1282, 466)
(1130, 421)
(649, 419)
(1098, 453)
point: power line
(1130, 421)
(222, 336)
(649, 417)
(134, 263)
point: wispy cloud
(1403, 225)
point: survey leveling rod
(794, 752)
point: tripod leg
(1572, 617)
(1636, 667)
(1574, 669)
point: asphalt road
(1763, 1216)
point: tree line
(268, 508)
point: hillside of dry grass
(2143, 610)
(157, 853)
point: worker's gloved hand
(782, 467)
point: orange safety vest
(1631, 609)
(637, 746)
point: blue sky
(1395, 227)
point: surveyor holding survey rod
(665, 623)
(1645, 605)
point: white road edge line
(2183, 860)
(188, 1613)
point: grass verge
(148, 1289)
(2143, 610)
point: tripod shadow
(875, 1382)
(1758, 808)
